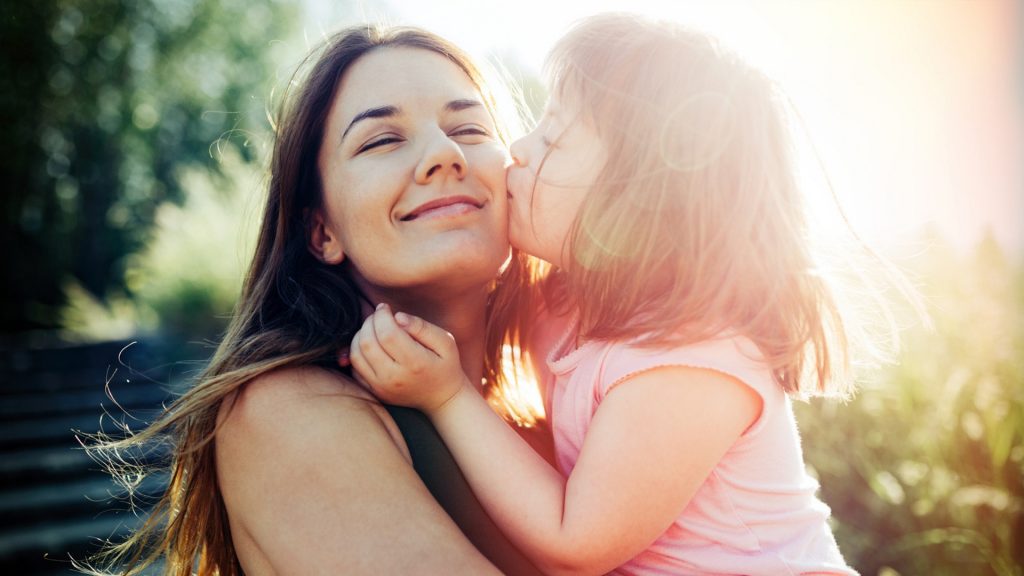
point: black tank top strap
(438, 470)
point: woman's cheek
(492, 159)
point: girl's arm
(652, 443)
(316, 480)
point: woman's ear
(324, 244)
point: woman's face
(554, 167)
(413, 176)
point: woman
(387, 185)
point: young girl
(683, 311)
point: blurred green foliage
(185, 281)
(104, 104)
(924, 469)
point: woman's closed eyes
(377, 142)
(463, 134)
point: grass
(924, 469)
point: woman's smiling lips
(444, 207)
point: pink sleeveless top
(755, 514)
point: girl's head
(660, 182)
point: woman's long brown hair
(293, 310)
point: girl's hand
(405, 360)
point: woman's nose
(441, 157)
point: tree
(104, 103)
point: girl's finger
(363, 382)
(372, 351)
(433, 337)
(394, 340)
(361, 367)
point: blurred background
(136, 136)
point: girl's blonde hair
(696, 226)
(293, 310)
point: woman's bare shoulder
(300, 381)
(321, 400)
(316, 479)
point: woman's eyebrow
(462, 104)
(379, 112)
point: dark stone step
(66, 357)
(149, 369)
(50, 382)
(54, 499)
(90, 496)
(60, 430)
(129, 395)
(40, 503)
(23, 466)
(46, 549)
(58, 464)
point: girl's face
(554, 167)
(413, 176)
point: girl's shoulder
(732, 355)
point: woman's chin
(472, 263)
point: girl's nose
(517, 151)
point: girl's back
(756, 513)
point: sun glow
(913, 107)
(520, 399)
